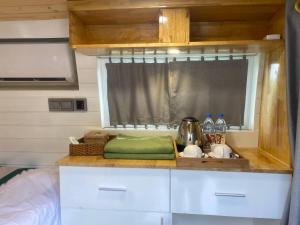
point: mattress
(30, 198)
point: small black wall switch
(80, 104)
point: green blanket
(140, 145)
(138, 156)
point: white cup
(192, 151)
(221, 150)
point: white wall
(29, 134)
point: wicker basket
(86, 149)
(94, 137)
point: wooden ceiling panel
(117, 16)
(32, 9)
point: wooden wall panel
(277, 23)
(33, 9)
(77, 31)
(233, 13)
(174, 26)
(118, 16)
(243, 30)
(132, 33)
(273, 136)
(33, 16)
(30, 2)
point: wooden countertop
(258, 163)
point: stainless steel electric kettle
(189, 132)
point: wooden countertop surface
(258, 163)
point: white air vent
(36, 60)
(26, 61)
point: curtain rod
(178, 55)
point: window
(161, 90)
(37, 63)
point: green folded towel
(139, 156)
(140, 145)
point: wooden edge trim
(175, 149)
(273, 158)
(77, 5)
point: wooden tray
(212, 163)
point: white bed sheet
(31, 198)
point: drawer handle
(235, 195)
(116, 189)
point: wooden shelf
(240, 46)
(232, 25)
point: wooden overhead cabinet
(96, 25)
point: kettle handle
(189, 126)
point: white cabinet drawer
(115, 188)
(99, 217)
(257, 195)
